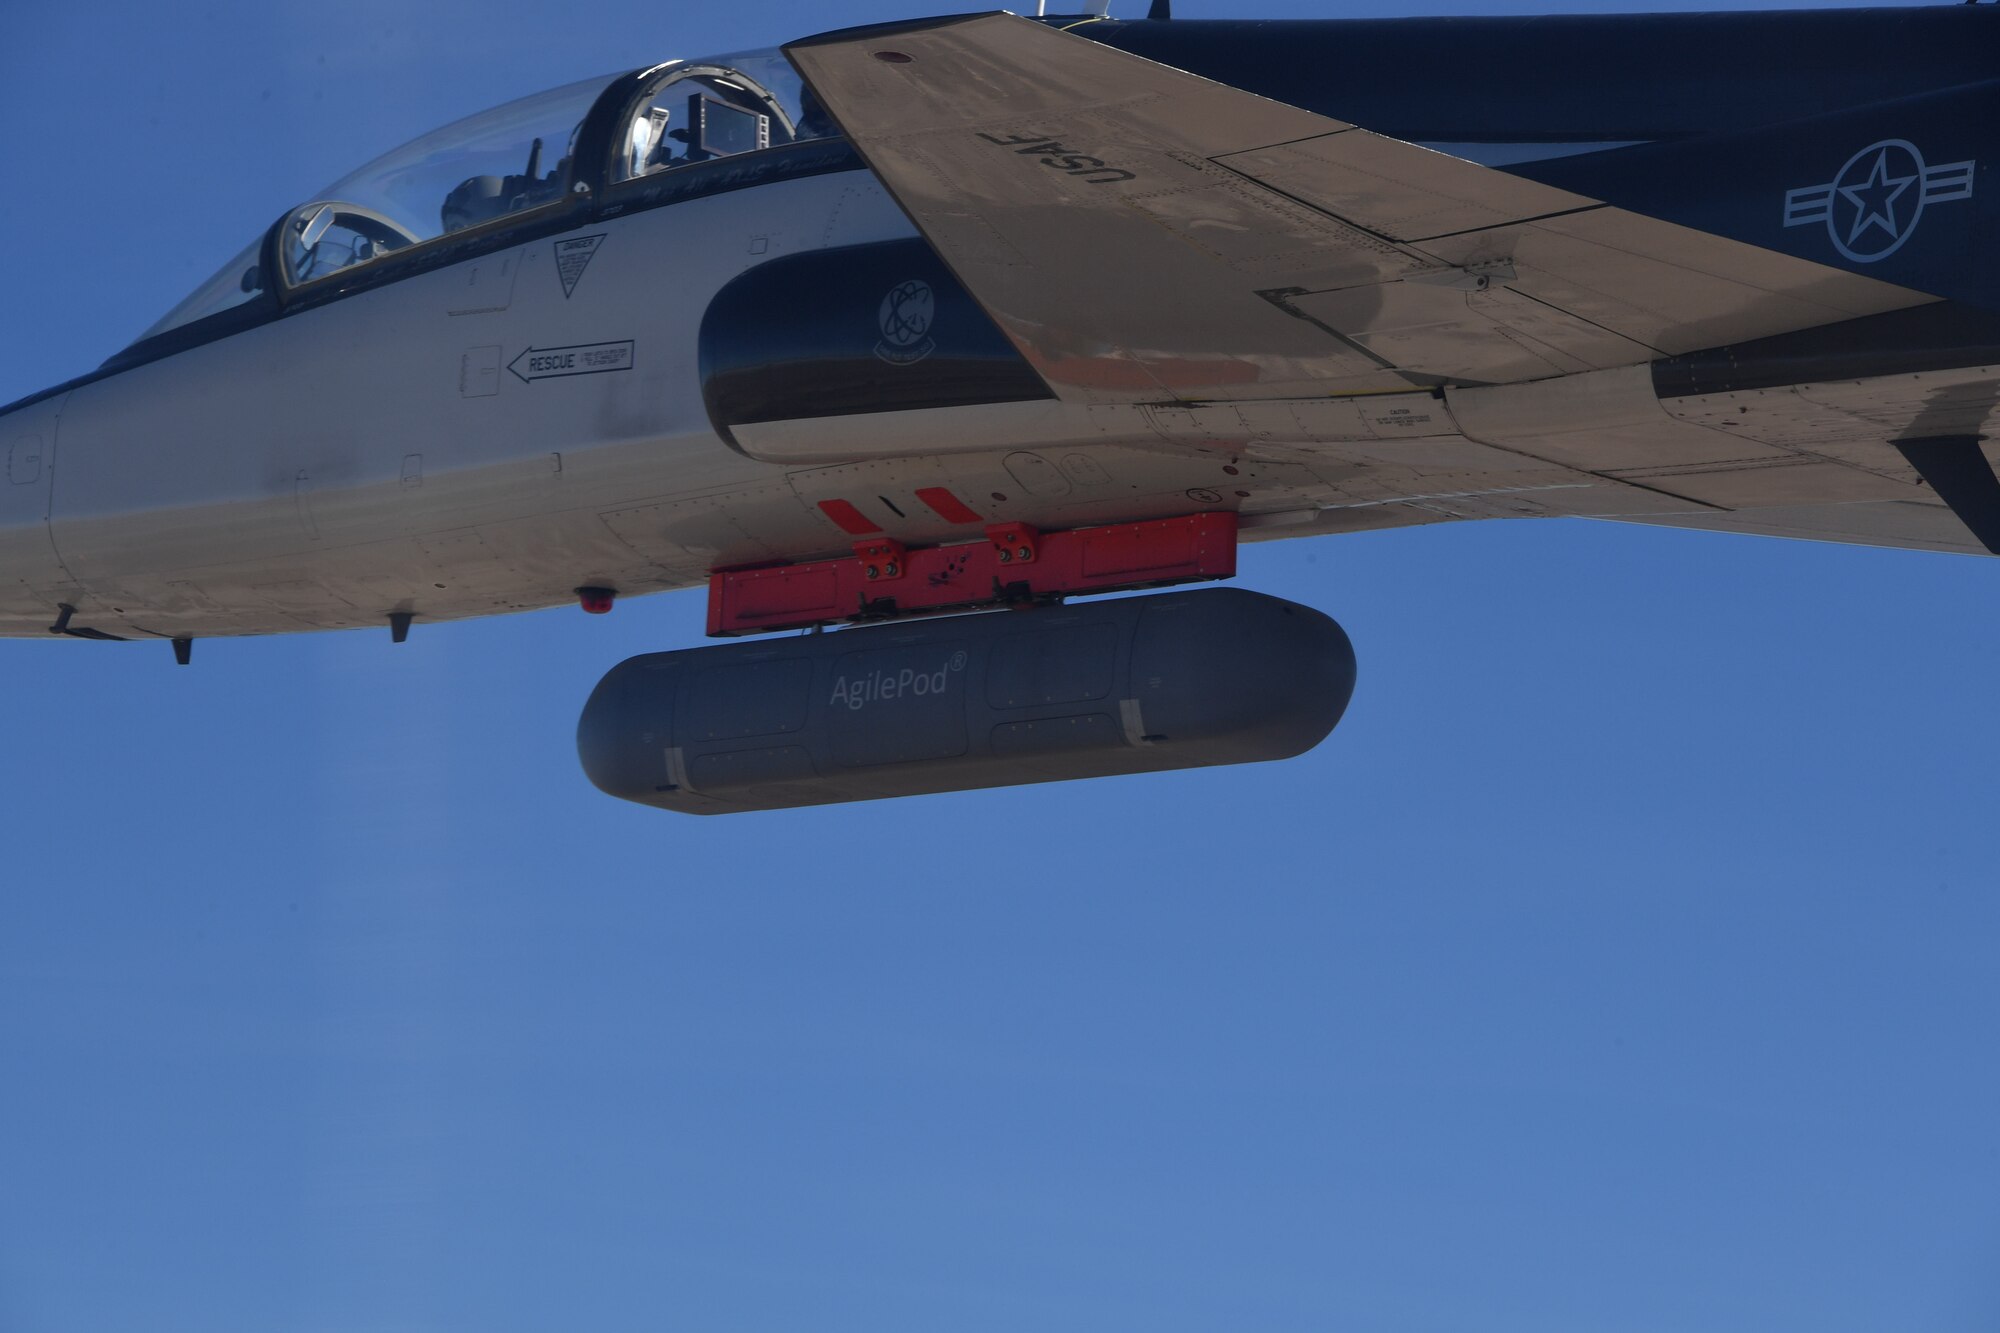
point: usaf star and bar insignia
(1875, 202)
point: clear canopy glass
(517, 158)
(717, 106)
(510, 160)
(238, 281)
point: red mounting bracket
(1015, 542)
(882, 559)
(883, 579)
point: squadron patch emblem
(905, 320)
(1874, 203)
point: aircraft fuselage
(760, 360)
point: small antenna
(1162, 9)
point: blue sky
(1624, 962)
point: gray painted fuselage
(402, 449)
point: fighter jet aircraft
(989, 312)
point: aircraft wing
(1144, 234)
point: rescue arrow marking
(547, 363)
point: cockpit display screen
(721, 129)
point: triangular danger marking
(572, 257)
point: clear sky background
(1624, 962)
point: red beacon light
(596, 600)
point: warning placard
(573, 257)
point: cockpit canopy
(519, 159)
(697, 110)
